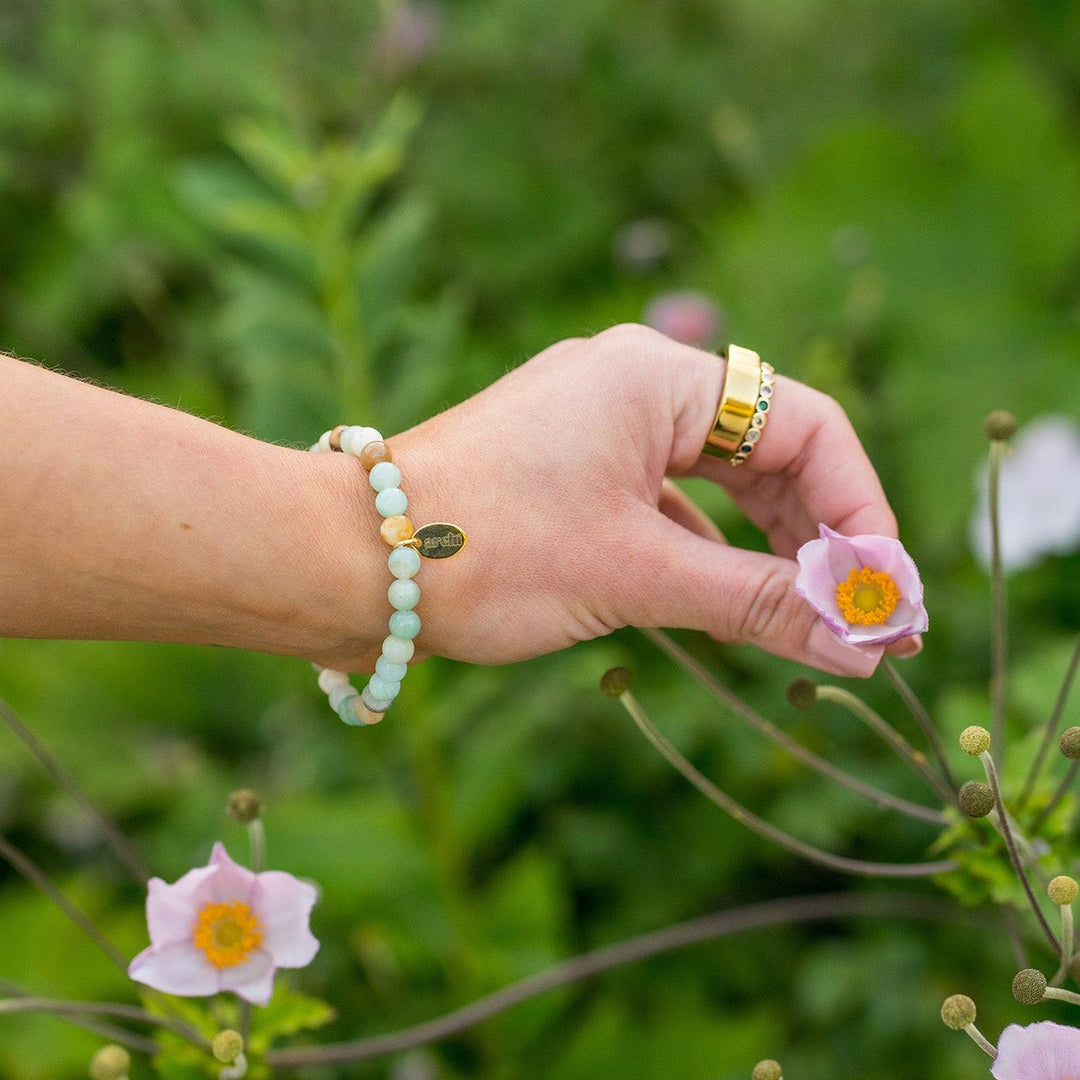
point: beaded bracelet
(439, 540)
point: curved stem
(997, 615)
(922, 718)
(1066, 944)
(1050, 729)
(1010, 846)
(753, 916)
(103, 1008)
(763, 828)
(34, 874)
(125, 852)
(888, 734)
(780, 738)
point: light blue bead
(391, 501)
(346, 711)
(404, 624)
(397, 649)
(373, 703)
(382, 689)
(403, 562)
(384, 475)
(403, 595)
(390, 669)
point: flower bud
(958, 1011)
(802, 694)
(227, 1046)
(1029, 986)
(1000, 425)
(974, 740)
(111, 1062)
(767, 1070)
(1070, 743)
(244, 805)
(615, 682)
(976, 799)
(1063, 890)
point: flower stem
(998, 448)
(782, 739)
(888, 734)
(783, 912)
(1050, 729)
(36, 876)
(765, 829)
(125, 852)
(1066, 944)
(922, 718)
(980, 1040)
(1010, 846)
(1058, 993)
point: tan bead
(374, 452)
(364, 714)
(395, 529)
(335, 437)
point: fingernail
(834, 655)
(906, 647)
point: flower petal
(1042, 1051)
(176, 969)
(171, 909)
(253, 980)
(231, 881)
(284, 905)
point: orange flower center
(227, 933)
(868, 597)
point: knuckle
(769, 613)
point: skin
(129, 520)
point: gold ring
(744, 406)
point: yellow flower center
(868, 597)
(227, 933)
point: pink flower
(1042, 1051)
(222, 927)
(865, 588)
(687, 317)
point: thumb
(680, 579)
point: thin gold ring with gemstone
(744, 404)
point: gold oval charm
(439, 540)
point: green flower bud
(802, 694)
(1070, 743)
(615, 682)
(111, 1062)
(976, 799)
(244, 805)
(767, 1070)
(227, 1046)
(1000, 425)
(1063, 890)
(1029, 986)
(958, 1011)
(974, 740)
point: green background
(286, 213)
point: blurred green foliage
(284, 213)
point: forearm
(124, 519)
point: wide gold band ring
(744, 406)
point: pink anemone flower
(865, 588)
(223, 927)
(1042, 1051)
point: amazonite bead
(383, 689)
(384, 475)
(404, 624)
(339, 693)
(390, 670)
(398, 649)
(404, 594)
(403, 562)
(355, 437)
(346, 709)
(377, 705)
(328, 679)
(391, 501)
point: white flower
(1039, 497)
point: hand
(557, 473)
